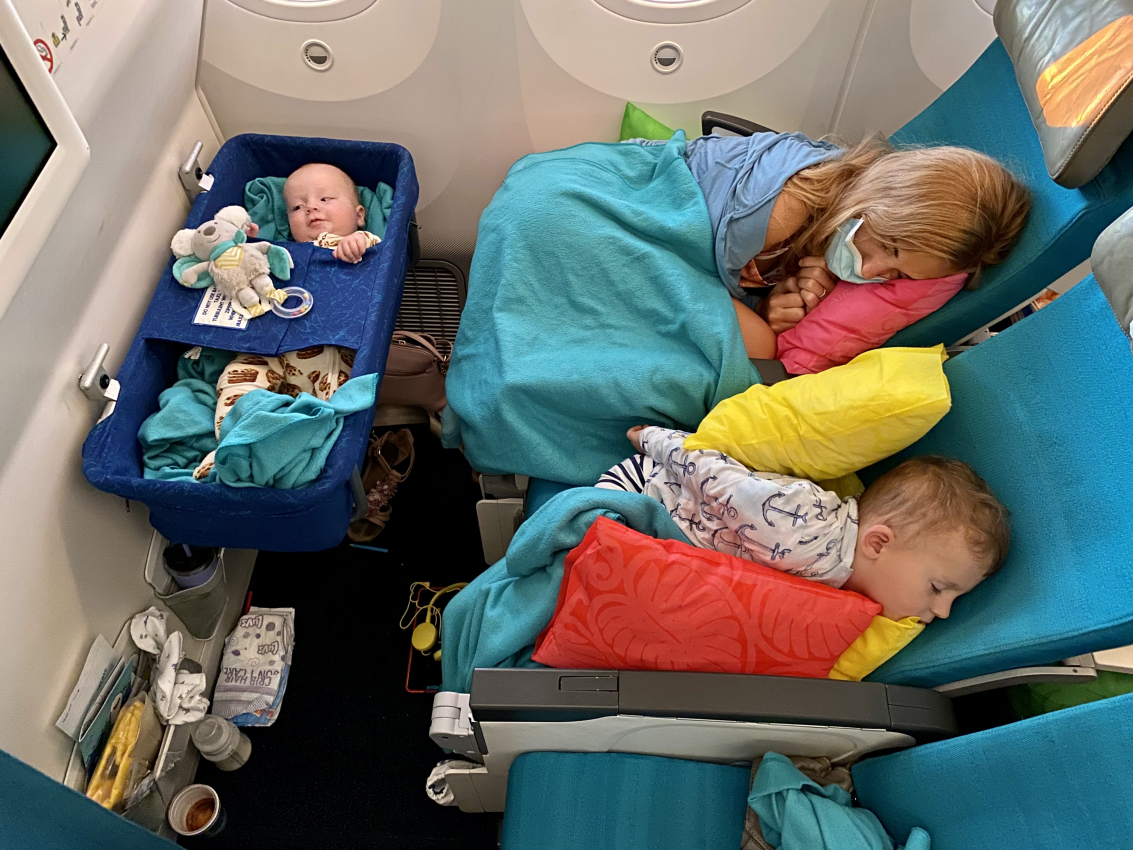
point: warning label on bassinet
(216, 310)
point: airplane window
(672, 11)
(25, 143)
(306, 11)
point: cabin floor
(345, 763)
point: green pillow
(639, 125)
(1042, 697)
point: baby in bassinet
(923, 534)
(322, 207)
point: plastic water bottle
(221, 742)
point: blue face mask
(843, 259)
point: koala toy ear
(234, 215)
(182, 244)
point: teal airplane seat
(1052, 782)
(985, 110)
(1042, 411)
(566, 801)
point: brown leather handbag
(415, 371)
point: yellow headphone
(426, 634)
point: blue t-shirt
(741, 176)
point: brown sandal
(389, 461)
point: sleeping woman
(791, 216)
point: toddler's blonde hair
(948, 202)
(933, 495)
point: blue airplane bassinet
(354, 306)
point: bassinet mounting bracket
(97, 385)
(194, 180)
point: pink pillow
(857, 317)
(630, 602)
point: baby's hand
(351, 248)
(251, 229)
(634, 435)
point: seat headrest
(1074, 63)
(1112, 265)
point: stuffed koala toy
(218, 253)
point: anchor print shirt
(787, 523)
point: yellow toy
(426, 634)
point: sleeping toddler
(923, 534)
(322, 207)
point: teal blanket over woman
(594, 305)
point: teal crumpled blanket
(796, 813)
(267, 439)
(593, 305)
(177, 437)
(263, 199)
(494, 621)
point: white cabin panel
(73, 557)
(908, 53)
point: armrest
(771, 371)
(550, 695)
(1080, 668)
(710, 121)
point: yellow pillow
(832, 423)
(877, 644)
(846, 487)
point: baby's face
(320, 199)
(921, 579)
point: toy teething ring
(306, 302)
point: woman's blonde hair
(948, 202)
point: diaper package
(254, 669)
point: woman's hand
(634, 435)
(815, 281)
(790, 300)
(784, 307)
(351, 247)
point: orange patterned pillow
(630, 602)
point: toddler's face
(319, 200)
(921, 579)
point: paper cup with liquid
(196, 811)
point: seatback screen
(25, 143)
